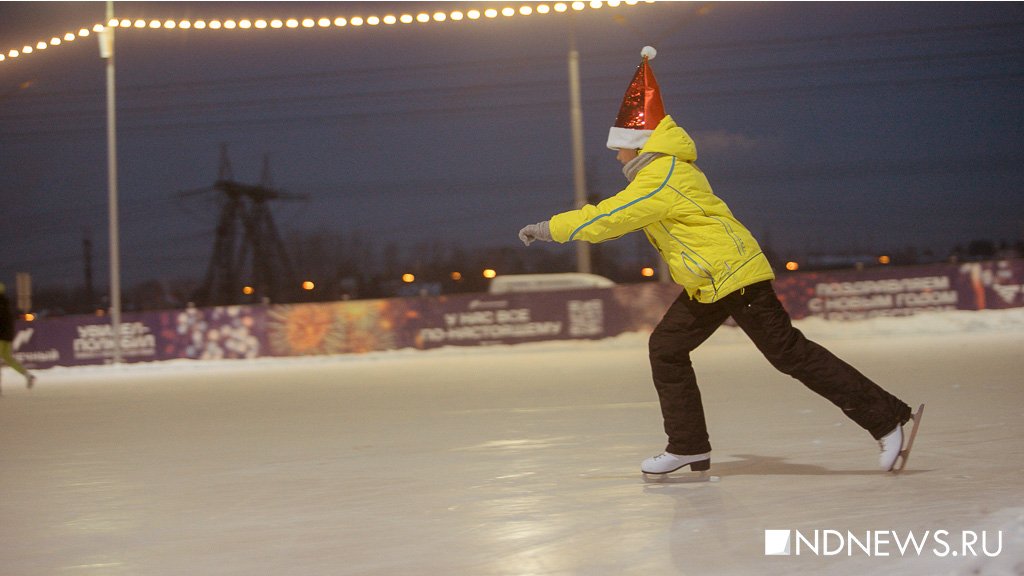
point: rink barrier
(237, 332)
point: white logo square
(776, 542)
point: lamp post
(107, 53)
(578, 169)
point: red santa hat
(641, 109)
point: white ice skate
(891, 445)
(896, 447)
(667, 462)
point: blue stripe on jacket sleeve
(626, 205)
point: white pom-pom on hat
(648, 52)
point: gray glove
(539, 231)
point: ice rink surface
(512, 460)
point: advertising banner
(196, 333)
(224, 332)
(513, 318)
(426, 322)
(992, 285)
(902, 291)
(643, 305)
(338, 327)
(77, 340)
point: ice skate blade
(904, 455)
(680, 478)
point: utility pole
(578, 160)
(107, 53)
(90, 292)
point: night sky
(827, 127)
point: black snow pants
(757, 310)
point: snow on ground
(514, 460)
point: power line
(541, 62)
(505, 88)
(207, 124)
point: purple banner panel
(80, 340)
(854, 295)
(483, 319)
(869, 293)
(41, 344)
(992, 285)
(223, 332)
(643, 305)
(196, 333)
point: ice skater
(724, 273)
(7, 337)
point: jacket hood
(668, 138)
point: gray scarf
(634, 166)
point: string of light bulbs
(314, 23)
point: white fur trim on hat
(627, 138)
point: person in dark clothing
(724, 273)
(7, 338)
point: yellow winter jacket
(708, 251)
